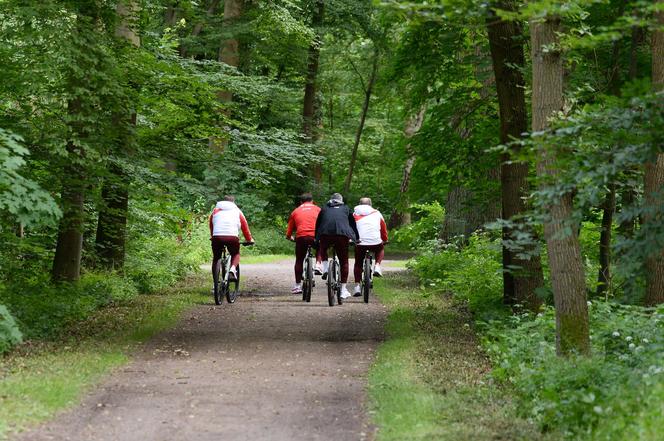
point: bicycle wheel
(307, 281)
(218, 291)
(233, 287)
(331, 282)
(366, 279)
(337, 282)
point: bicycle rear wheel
(366, 279)
(331, 282)
(307, 281)
(218, 286)
(337, 282)
(233, 287)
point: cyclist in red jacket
(302, 221)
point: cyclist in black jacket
(335, 226)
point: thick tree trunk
(521, 277)
(310, 105)
(567, 278)
(604, 275)
(229, 51)
(400, 214)
(112, 223)
(365, 109)
(654, 176)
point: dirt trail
(268, 367)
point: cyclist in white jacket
(226, 221)
(373, 235)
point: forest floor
(267, 367)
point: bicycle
(366, 283)
(222, 268)
(308, 281)
(334, 279)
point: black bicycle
(308, 281)
(366, 284)
(222, 288)
(334, 279)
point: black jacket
(336, 219)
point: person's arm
(353, 225)
(383, 229)
(245, 228)
(211, 225)
(318, 221)
(291, 227)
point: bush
(594, 396)
(423, 233)
(473, 273)
(10, 335)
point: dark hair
(229, 198)
(306, 197)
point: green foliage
(473, 272)
(10, 335)
(594, 397)
(422, 234)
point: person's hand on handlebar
(291, 238)
(248, 244)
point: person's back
(373, 235)
(302, 222)
(335, 227)
(226, 221)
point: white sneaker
(377, 271)
(344, 291)
(232, 274)
(357, 292)
(318, 269)
(297, 289)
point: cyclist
(302, 221)
(225, 222)
(335, 226)
(373, 235)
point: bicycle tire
(331, 279)
(231, 293)
(337, 282)
(308, 281)
(218, 294)
(366, 279)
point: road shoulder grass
(430, 378)
(39, 379)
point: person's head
(229, 198)
(306, 197)
(365, 201)
(337, 197)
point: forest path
(268, 367)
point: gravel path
(268, 367)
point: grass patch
(430, 379)
(41, 378)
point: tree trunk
(309, 108)
(229, 51)
(365, 109)
(604, 275)
(400, 214)
(112, 223)
(212, 7)
(654, 175)
(69, 246)
(567, 278)
(521, 276)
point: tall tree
(112, 223)
(521, 276)
(367, 87)
(400, 214)
(567, 278)
(309, 107)
(229, 51)
(654, 173)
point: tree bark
(400, 213)
(604, 275)
(567, 278)
(521, 277)
(69, 246)
(309, 108)
(365, 109)
(229, 51)
(112, 223)
(654, 175)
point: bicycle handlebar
(248, 244)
